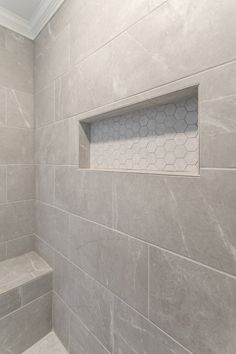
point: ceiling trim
(31, 28)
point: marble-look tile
(16, 62)
(36, 288)
(156, 39)
(21, 151)
(54, 144)
(9, 301)
(81, 192)
(3, 184)
(143, 208)
(20, 270)
(138, 335)
(50, 344)
(85, 38)
(73, 94)
(82, 341)
(2, 106)
(52, 225)
(178, 214)
(45, 183)
(193, 304)
(207, 222)
(94, 303)
(218, 138)
(61, 320)
(16, 220)
(20, 110)
(20, 182)
(19, 246)
(21, 329)
(53, 60)
(45, 106)
(115, 260)
(155, 3)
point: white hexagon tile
(162, 138)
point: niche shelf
(156, 136)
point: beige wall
(142, 263)
(17, 172)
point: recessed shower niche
(156, 136)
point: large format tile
(20, 110)
(21, 329)
(170, 41)
(45, 183)
(193, 304)
(52, 225)
(89, 300)
(136, 335)
(180, 214)
(143, 208)
(82, 341)
(85, 38)
(16, 220)
(20, 182)
(21, 152)
(52, 60)
(118, 262)
(16, 62)
(81, 193)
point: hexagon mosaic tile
(161, 138)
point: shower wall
(143, 263)
(17, 172)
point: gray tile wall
(142, 263)
(17, 170)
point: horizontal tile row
(16, 298)
(193, 304)
(131, 333)
(217, 95)
(190, 216)
(25, 326)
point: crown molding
(31, 28)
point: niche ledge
(160, 135)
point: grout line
(143, 241)
(78, 319)
(22, 307)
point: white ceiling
(27, 17)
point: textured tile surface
(50, 344)
(161, 138)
